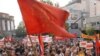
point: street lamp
(83, 16)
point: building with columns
(7, 25)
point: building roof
(6, 16)
(73, 2)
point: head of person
(58, 51)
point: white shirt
(61, 54)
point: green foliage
(90, 31)
(1, 36)
(20, 31)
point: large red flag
(42, 18)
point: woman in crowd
(88, 52)
(81, 52)
(59, 53)
(67, 51)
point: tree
(20, 31)
(1, 36)
(90, 31)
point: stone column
(3, 25)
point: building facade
(94, 17)
(50, 3)
(87, 11)
(7, 25)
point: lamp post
(97, 41)
(83, 16)
(82, 19)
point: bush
(90, 31)
(1, 36)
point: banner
(35, 39)
(88, 37)
(83, 44)
(1, 43)
(89, 46)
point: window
(78, 1)
(74, 26)
(93, 23)
(98, 22)
(94, 3)
(98, 0)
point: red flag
(97, 46)
(42, 18)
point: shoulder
(56, 55)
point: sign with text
(83, 43)
(89, 46)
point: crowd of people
(67, 49)
(56, 48)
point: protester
(81, 52)
(56, 48)
(88, 52)
(59, 53)
(67, 51)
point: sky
(11, 7)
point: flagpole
(33, 47)
(96, 47)
(41, 45)
(96, 50)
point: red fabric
(41, 18)
(8, 39)
(41, 45)
(97, 46)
